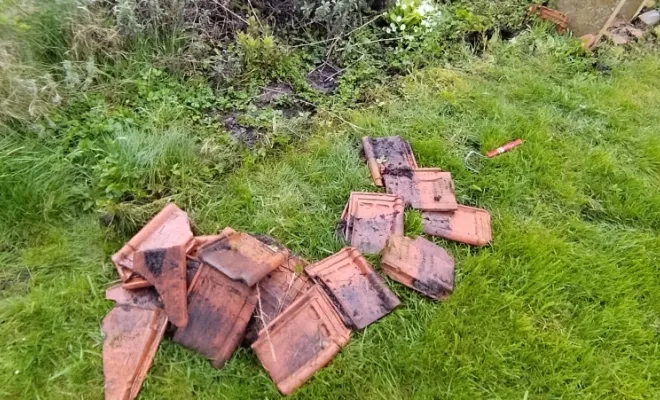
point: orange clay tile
(276, 291)
(359, 294)
(428, 189)
(201, 241)
(559, 19)
(385, 153)
(166, 270)
(136, 282)
(170, 227)
(132, 336)
(466, 225)
(219, 310)
(419, 264)
(241, 256)
(301, 340)
(372, 217)
(143, 298)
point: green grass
(564, 304)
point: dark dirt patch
(273, 93)
(324, 77)
(243, 134)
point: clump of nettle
(409, 19)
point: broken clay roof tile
(420, 265)
(359, 293)
(276, 291)
(386, 153)
(371, 218)
(132, 336)
(170, 227)
(166, 270)
(219, 310)
(466, 225)
(428, 189)
(242, 257)
(301, 340)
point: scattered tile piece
(166, 270)
(301, 340)
(170, 227)
(560, 20)
(276, 291)
(428, 189)
(132, 336)
(359, 293)
(387, 153)
(135, 282)
(143, 298)
(241, 256)
(420, 265)
(219, 310)
(371, 218)
(466, 225)
(201, 241)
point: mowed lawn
(564, 304)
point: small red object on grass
(507, 147)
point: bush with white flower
(409, 18)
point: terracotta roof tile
(466, 225)
(219, 310)
(385, 153)
(276, 291)
(132, 336)
(428, 189)
(170, 227)
(419, 264)
(166, 269)
(370, 219)
(241, 256)
(359, 294)
(301, 340)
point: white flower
(398, 18)
(393, 26)
(403, 27)
(424, 8)
(388, 30)
(426, 23)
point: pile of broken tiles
(218, 292)
(373, 222)
(214, 293)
